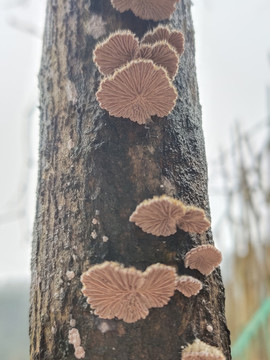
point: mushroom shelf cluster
(199, 350)
(127, 293)
(138, 76)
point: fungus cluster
(138, 75)
(199, 350)
(162, 215)
(75, 339)
(127, 293)
(147, 9)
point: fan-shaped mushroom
(204, 258)
(199, 350)
(127, 293)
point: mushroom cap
(199, 350)
(164, 33)
(194, 220)
(117, 50)
(153, 9)
(122, 5)
(74, 337)
(137, 91)
(204, 258)
(188, 285)
(127, 293)
(162, 54)
(158, 216)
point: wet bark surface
(93, 166)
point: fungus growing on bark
(199, 350)
(147, 9)
(188, 285)
(194, 220)
(137, 91)
(75, 339)
(162, 215)
(162, 54)
(163, 33)
(127, 293)
(158, 216)
(117, 50)
(204, 258)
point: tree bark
(93, 166)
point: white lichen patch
(104, 326)
(94, 234)
(95, 26)
(70, 275)
(72, 322)
(71, 91)
(105, 238)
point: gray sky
(232, 40)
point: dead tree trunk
(93, 166)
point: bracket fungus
(137, 91)
(158, 216)
(163, 33)
(204, 258)
(147, 9)
(188, 285)
(199, 350)
(117, 50)
(162, 54)
(162, 215)
(194, 220)
(127, 293)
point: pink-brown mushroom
(147, 9)
(194, 220)
(127, 293)
(164, 33)
(204, 258)
(158, 216)
(188, 285)
(137, 91)
(199, 350)
(117, 50)
(162, 54)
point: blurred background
(233, 68)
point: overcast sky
(232, 41)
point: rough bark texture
(93, 166)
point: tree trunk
(93, 166)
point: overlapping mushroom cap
(137, 91)
(117, 50)
(188, 285)
(127, 293)
(147, 9)
(158, 216)
(162, 54)
(204, 258)
(199, 350)
(163, 33)
(162, 215)
(194, 220)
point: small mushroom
(158, 216)
(147, 9)
(199, 350)
(194, 220)
(188, 285)
(127, 293)
(164, 33)
(162, 54)
(204, 258)
(117, 50)
(137, 91)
